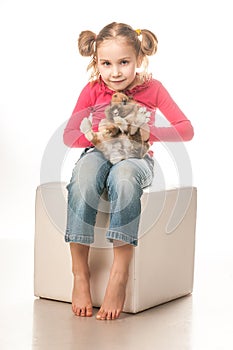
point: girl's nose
(116, 72)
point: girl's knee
(122, 183)
(122, 171)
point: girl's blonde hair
(143, 41)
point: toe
(104, 315)
(89, 311)
(101, 315)
(109, 315)
(114, 315)
(83, 312)
(118, 312)
(78, 311)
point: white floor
(201, 321)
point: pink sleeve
(72, 135)
(180, 128)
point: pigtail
(149, 42)
(86, 43)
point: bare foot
(81, 296)
(114, 297)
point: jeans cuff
(119, 236)
(75, 238)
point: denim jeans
(124, 182)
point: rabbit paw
(121, 123)
(143, 116)
(85, 126)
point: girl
(117, 52)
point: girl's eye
(106, 63)
(124, 62)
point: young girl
(117, 52)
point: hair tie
(138, 31)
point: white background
(41, 75)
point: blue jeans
(124, 182)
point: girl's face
(117, 64)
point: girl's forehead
(118, 39)
(114, 46)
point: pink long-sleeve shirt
(95, 97)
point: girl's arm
(72, 135)
(180, 128)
